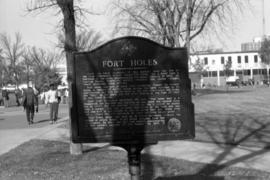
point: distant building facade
(246, 65)
(255, 45)
(62, 70)
(250, 46)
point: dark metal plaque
(132, 90)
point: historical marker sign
(132, 90)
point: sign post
(132, 92)
(134, 160)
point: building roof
(229, 52)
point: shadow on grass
(235, 130)
(191, 177)
(43, 159)
(177, 169)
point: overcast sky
(39, 30)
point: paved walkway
(11, 138)
(255, 158)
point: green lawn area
(239, 117)
(42, 160)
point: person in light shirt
(53, 101)
(44, 96)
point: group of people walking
(30, 103)
(10, 98)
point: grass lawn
(239, 117)
(42, 160)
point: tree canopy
(198, 65)
(11, 55)
(227, 68)
(173, 23)
(85, 40)
(40, 66)
(264, 51)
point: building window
(205, 60)
(255, 58)
(255, 72)
(247, 72)
(221, 73)
(239, 73)
(264, 71)
(214, 74)
(239, 59)
(205, 74)
(213, 62)
(222, 60)
(259, 71)
(246, 59)
(231, 73)
(230, 58)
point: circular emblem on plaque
(174, 125)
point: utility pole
(2, 69)
(27, 66)
(263, 20)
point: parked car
(10, 88)
(233, 81)
(266, 82)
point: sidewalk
(11, 138)
(245, 157)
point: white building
(246, 65)
(62, 70)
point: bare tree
(227, 72)
(3, 69)
(42, 58)
(198, 65)
(85, 40)
(68, 11)
(264, 53)
(37, 61)
(12, 53)
(173, 23)
(27, 64)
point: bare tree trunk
(67, 9)
(27, 75)
(188, 26)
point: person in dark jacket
(5, 97)
(29, 102)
